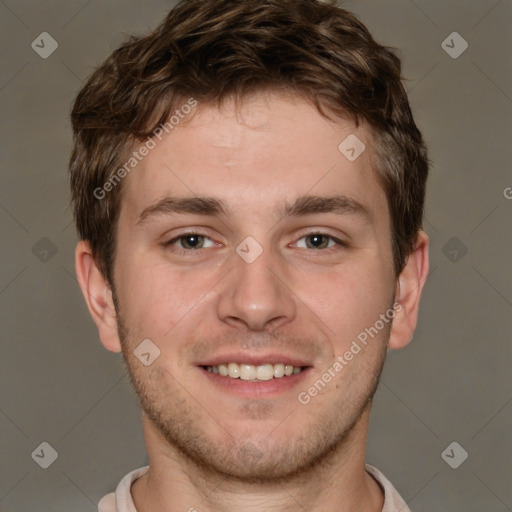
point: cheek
(348, 300)
(155, 298)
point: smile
(262, 372)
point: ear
(407, 298)
(98, 296)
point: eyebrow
(339, 204)
(197, 205)
(302, 206)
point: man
(248, 186)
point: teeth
(265, 372)
(233, 370)
(247, 372)
(278, 370)
(251, 372)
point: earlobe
(409, 287)
(98, 296)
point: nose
(255, 295)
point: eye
(191, 241)
(318, 241)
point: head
(238, 110)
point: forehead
(270, 149)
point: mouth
(255, 377)
(255, 373)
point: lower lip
(258, 389)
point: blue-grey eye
(192, 241)
(317, 241)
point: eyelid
(188, 233)
(341, 239)
(338, 241)
(174, 234)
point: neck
(338, 483)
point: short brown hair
(213, 50)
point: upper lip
(254, 359)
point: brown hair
(212, 50)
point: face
(249, 244)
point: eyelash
(339, 243)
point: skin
(208, 448)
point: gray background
(453, 383)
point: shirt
(121, 500)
